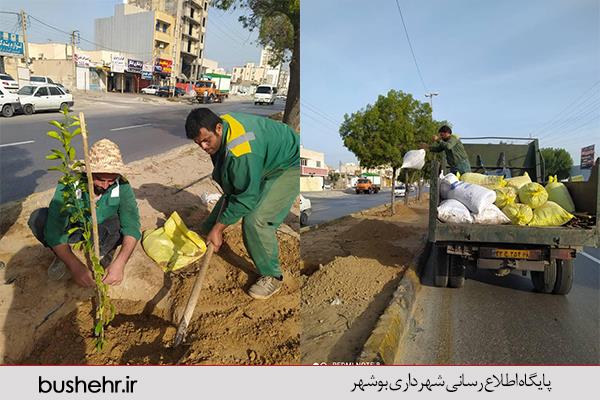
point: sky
(226, 40)
(501, 68)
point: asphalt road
(332, 204)
(140, 130)
(502, 321)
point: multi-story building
(192, 29)
(312, 170)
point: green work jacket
(252, 150)
(456, 156)
(117, 199)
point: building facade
(312, 170)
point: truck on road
(545, 253)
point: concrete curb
(384, 343)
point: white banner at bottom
(295, 382)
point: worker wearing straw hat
(118, 220)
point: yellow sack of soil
(173, 246)
(519, 214)
(533, 194)
(489, 181)
(558, 193)
(550, 214)
(505, 196)
(518, 181)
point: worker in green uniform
(456, 156)
(116, 211)
(257, 164)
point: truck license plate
(507, 253)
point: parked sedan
(166, 91)
(46, 97)
(9, 83)
(152, 89)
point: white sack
(209, 198)
(446, 183)
(491, 215)
(454, 211)
(414, 159)
(475, 197)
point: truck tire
(7, 110)
(303, 219)
(457, 272)
(544, 281)
(564, 277)
(358, 192)
(440, 267)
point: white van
(265, 94)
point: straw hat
(105, 157)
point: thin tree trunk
(393, 189)
(291, 116)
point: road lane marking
(17, 143)
(129, 127)
(590, 257)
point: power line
(590, 109)
(317, 111)
(410, 45)
(557, 116)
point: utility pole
(176, 65)
(74, 37)
(430, 95)
(24, 33)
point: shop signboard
(118, 64)
(134, 66)
(163, 66)
(587, 157)
(147, 72)
(10, 44)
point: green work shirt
(455, 153)
(253, 149)
(117, 199)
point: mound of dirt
(351, 269)
(48, 322)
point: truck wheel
(27, 109)
(8, 110)
(440, 267)
(457, 272)
(564, 277)
(544, 282)
(303, 218)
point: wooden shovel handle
(193, 300)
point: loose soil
(48, 322)
(350, 271)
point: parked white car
(9, 102)
(305, 210)
(265, 94)
(152, 89)
(35, 80)
(40, 98)
(400, 190)
(9, 83)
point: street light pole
(430, 95)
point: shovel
(191, 304)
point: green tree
(334, 177)
(380, 134)
(278, 24)
(557, 162)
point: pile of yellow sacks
(525, 202)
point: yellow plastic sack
(558, 193)
(505, 196)
(577, 178)
(550, 214)
(173, 246)
(489, 181)
(533, 194)
(518, 181)
(519, 214)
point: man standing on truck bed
(456, 156)
(257, 163)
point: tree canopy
(278, 24)
(557, 162)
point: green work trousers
(260, 226)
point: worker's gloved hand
(435, 138)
